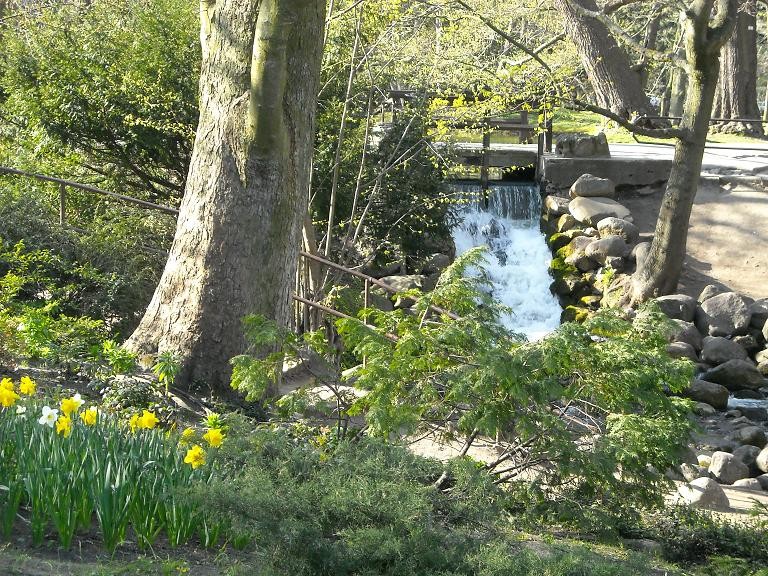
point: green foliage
(575, 407)
(166, 368)
(116, 82)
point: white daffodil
(78, 400)
(21, 410)
(49, 417)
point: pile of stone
(725, 335)
(594, 242)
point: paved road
(750, 160)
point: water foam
(518, 259)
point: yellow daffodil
(133, 423)
(89, 416)
(147, 420)
(27, 386)
(187, 436)
(64, 425)
(195, 456)
(214, 437)
(6, 384)
(71, 405)
(8, 397)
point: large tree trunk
(660, 272)
(239, 226)
(616, 86)
(736, 95)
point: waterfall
(518, 260)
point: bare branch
(541, 49)
(633, 127)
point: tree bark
(240, 220)
(736, 95)
(660, 272)
(616, 86)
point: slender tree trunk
(660, 272)
(240, 221)
(616, 86)
(736, 95)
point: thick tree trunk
(239, 226)
(660, 272)
(616, 86)
(736, 95)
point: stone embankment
(596, 246)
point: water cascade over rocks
(518, 255)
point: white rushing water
(518, 259)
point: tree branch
(540, 49)
(633, 127)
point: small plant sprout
(166, 368)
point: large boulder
(588, 186)
(717, 350)
(727, 468)
(566, 222)
(678, 306)
(576, 255)
(682, 350)
(709, 291)
(762, 460)
(735, 375)
(436, 263)
(403, 283)
(748, 455)
(765, 332)
(713, 394)
(606, 247)
(640, 253)
(592, 210)
(723, 315)
(704, 493)
(580, 146)
(759, 311)
(749, 435)
(687, 332)
(617, 227)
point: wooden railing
(368, 281)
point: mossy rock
(557, 241)
(559, 268)
(574, 314)
(592, 301)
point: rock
(703, 409)
(566, 222)
(708, 392)
(704, 461)
(762, 460)
(748, 484)
(723, 315)
(677, 306)
(763, 368)
(576, 255)
(403, 283)
(436, 263)
(748, 455)
(717, 350)
(438, 244)
(615, 262)
(692, 471)
(591, 232)
(735, 375)
(761, 356)
(759, 311)
(709, 291)
(733, 413)
(556, 205)
(682, 350)
(592, 210)
(748, 342)
(763, 480)
(640, 253)
(750, 394)
(765, 332)
(578, 146)
(588, 186)
(750, 435)
(726, 468)
(601, 249)
(704, 493)
(755, 413)
(688, 333)
(618, 227)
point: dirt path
(727, 239)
